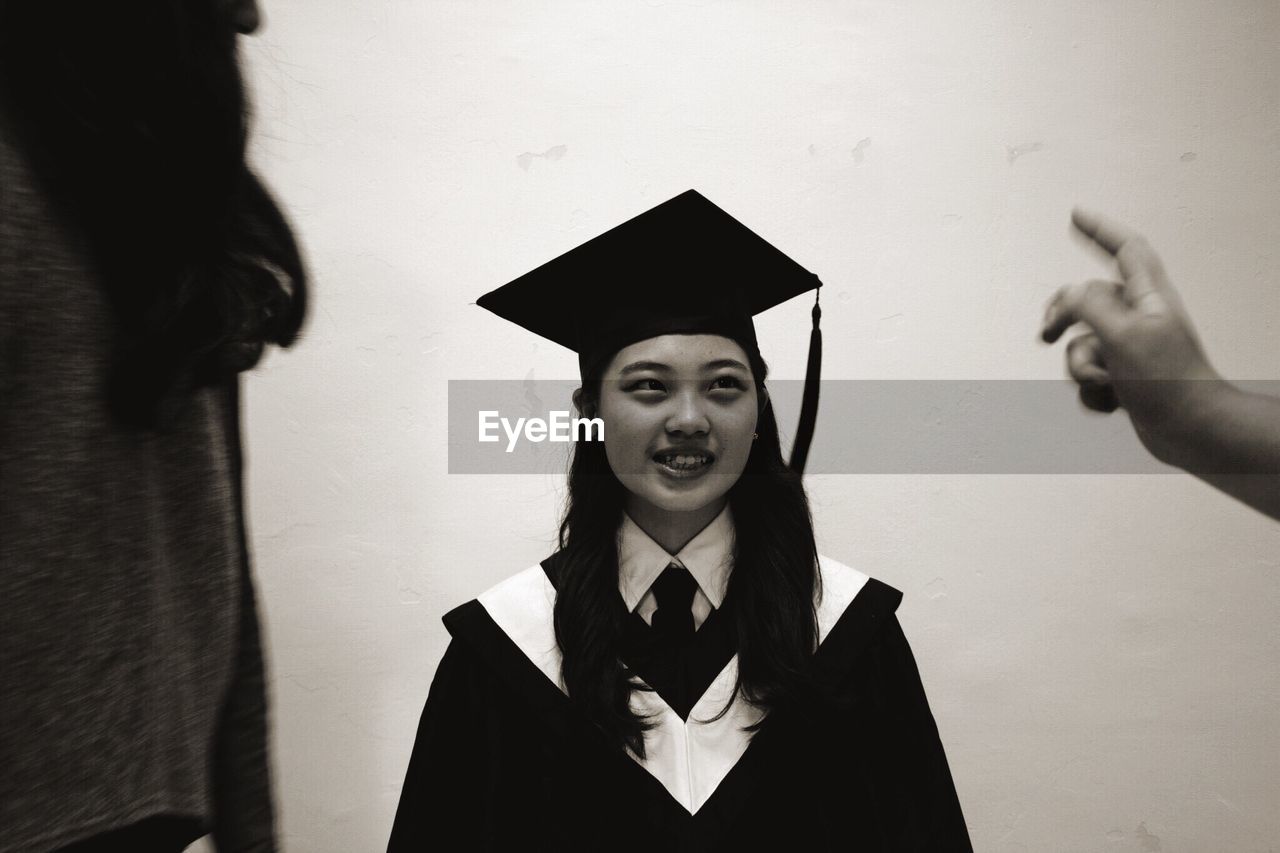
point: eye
(643, 385)
(729, 382)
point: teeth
(684, 461)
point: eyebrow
(725, 362)
(659, 367)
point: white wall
(1101, 653)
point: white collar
(708, 557)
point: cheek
(626, 441)
(617, 450)
(736, 455)
(627, 424)
(739, 426)
(735, 430)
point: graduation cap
(683, 267)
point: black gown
(503, 761)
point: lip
(681, 474)
(684, 450)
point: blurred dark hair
(772, 590)
(134, 118)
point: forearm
(1231, 440)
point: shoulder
(527, 590)
(519, 610)
(843, 584)
(530, 589)
(848, 595)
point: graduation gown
(503, 760)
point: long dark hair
(773, 587)
(134, 118)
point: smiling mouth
(684, 463)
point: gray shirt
(131, 679)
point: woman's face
(679, 414)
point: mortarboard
(683, 267)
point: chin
(691, 501)
(682, 505)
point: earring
(754, 436)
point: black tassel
(809, 403)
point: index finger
(1107, 233)
(1140, 266)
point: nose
(246, 16)
(688, 416)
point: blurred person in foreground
(1142, 353)
(143, 266)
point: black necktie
(674, 590)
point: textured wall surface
(1101, 652)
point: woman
(143, 266)
(685, 672)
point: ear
(585, 406)
(763, 402)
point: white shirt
(708, 557)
